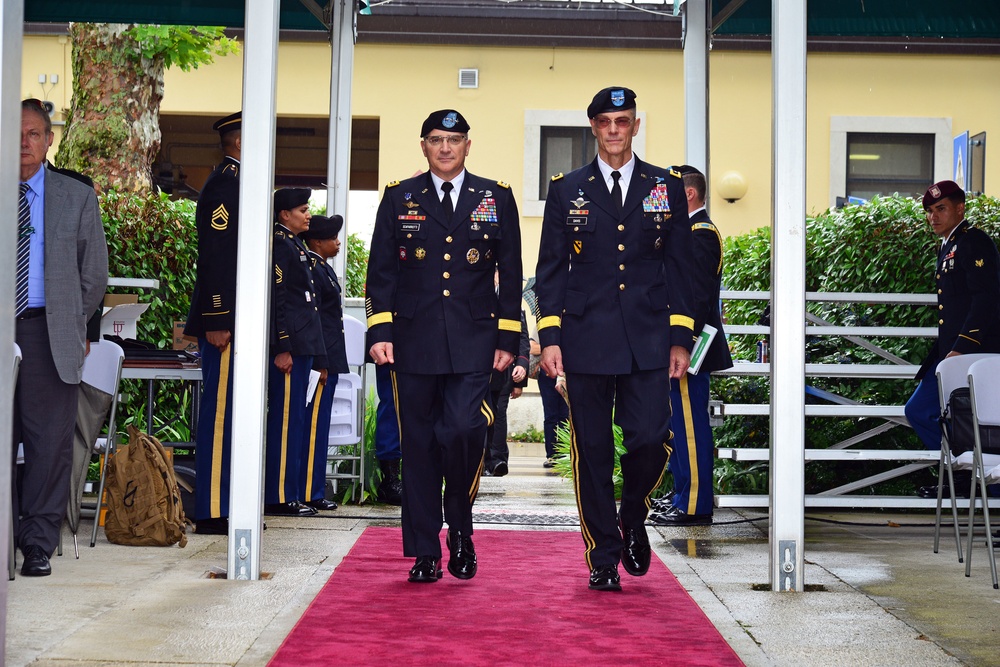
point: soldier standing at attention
(321, 238)
(211, 320)
(435, 317)
(296, 348)
(613, 294)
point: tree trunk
(112, 129)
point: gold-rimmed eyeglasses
(622, 122)
(452, 139)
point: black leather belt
(31, 312)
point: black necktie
(23, 251)
(449, 208)
(616, 191)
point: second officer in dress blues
(321, 237)
(613, 294)
(296, 348)
(434, 315)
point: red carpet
(528, 605)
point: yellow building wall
(401, 84)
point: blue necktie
(23, 251)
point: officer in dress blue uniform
(694, 448)
(435, 317)
(321, 238)
(297, 347)
(968, 289)
(613, 294)
(212, 320)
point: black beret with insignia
(616, 98)
(943, 190)
(322, 227)
(286, 199)
(230, 123)
(447, 120)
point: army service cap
(230, 123)
(615, 98)
(322, 228)
(943, 190)
(447, 120)
(286, 199)
(686, 169)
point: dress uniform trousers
(694, 450)
(923, 410)
(286, 423)
(215, 427)
(386, 424)
(317, 435)
(635, 402)
(443, 421)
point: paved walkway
(878, 595)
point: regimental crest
(618, 97)
(220, 218)
(935, 191)
(450, 120)
(402, 253)
(577, 246)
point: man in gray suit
(62, 282)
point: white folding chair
(10, 546)
(347, 415)
(952, 374)
(984, 391)
(103, 370)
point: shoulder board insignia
(675, 173)
(392, 184)
(557, 176)
(503, 185)
(703, 225)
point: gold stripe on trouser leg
(574, 458)
(395, 405)
(311, 453)
(284, 437)
(474, 490)
(692, 445)
(219, 433)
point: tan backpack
(144, 502)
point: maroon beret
(943, 190)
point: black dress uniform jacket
(968, 295)
(331, 314)
(612, 291)
(213, 303)
(430, 288)
(295, 323)
(706, 281)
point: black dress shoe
(931, 491)
(664, 502)
(462, 564)
(677, 517)
(635, 550)
(36, 562)
(212, 526)
(426, 570)
(605, 578)
(293, 508)
(322, 504)
(500, 469)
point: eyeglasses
(622, 122)
(452, 139)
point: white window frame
(534, 121)
(840, 126)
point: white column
(788, 279)
(11, 38)
(343, 34)
(254, 274)
(696, 47)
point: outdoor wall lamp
(732, 186)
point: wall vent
(468, 78)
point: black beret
(286, 199)
(616, 98)
(230, 123)
(448, 120)
(943, 190)
(322, 227)
(686, 169)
